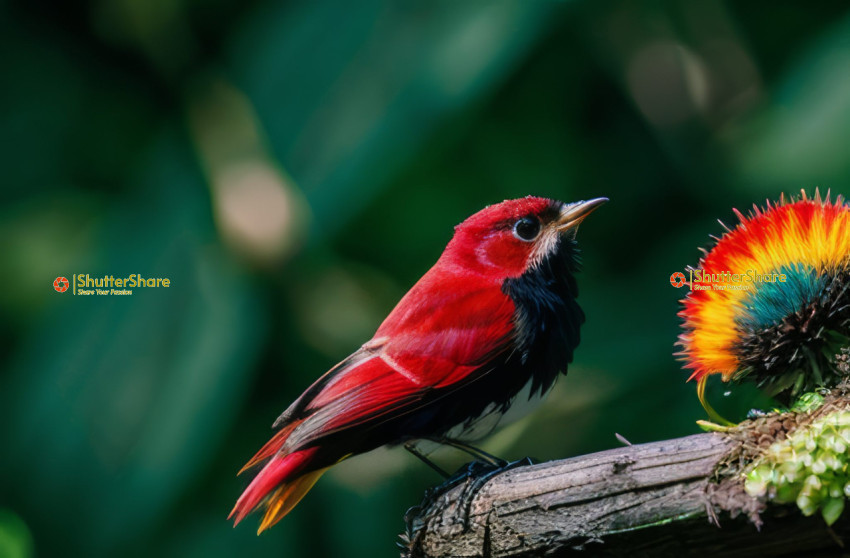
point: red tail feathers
(280, 484)
(271, 447)
(278, 487)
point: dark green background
(293, 168)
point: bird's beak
(574, 213)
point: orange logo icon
(60, 284)
(677, 279)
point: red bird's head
(508, 238)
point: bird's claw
(476, 474)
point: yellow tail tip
(282, 500)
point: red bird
(492, 323)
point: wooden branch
(669, 498)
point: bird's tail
(280, 484)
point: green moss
(810, 468)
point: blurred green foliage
(293, 168)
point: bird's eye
(527, 228)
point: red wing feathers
(311, 392)
(366, 391)
(421, 346)
(440, 337)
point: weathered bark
(669, 498)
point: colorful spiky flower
(770, 302)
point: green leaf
(832, 509)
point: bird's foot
(473, 475)
(433, 493)
(476, 475)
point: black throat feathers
(547, 318)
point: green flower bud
(812, 482)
